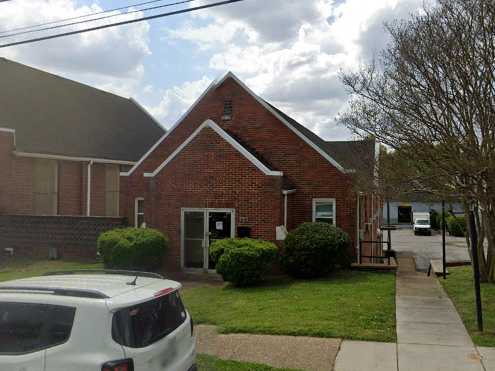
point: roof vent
(227, 110)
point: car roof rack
(79, 293)
(106, 271)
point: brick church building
(236, 166)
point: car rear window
(29, 327)
(144, 324)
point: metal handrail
(373, 256)
(121, 272)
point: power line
(212, 5)
(97, 19)
(77, 17)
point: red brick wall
(73, 237)
(16, 179)
(197, 179)
(16, 184)
(282, 149)
(70, 188)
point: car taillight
(122, 365)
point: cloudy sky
(288, 51)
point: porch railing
(376, 252)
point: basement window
(228, 110)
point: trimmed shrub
(456, 226)
(132, 248)
(244, 261)
(315, 249)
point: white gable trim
(213, 86)
(141, 160)
(281, 119)
(212, 125)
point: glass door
(219, 228)
(201, 228)
(194, 239)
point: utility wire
(182, 11)
(77, 17)
(97, 19)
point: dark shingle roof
(57, 116)
(352, 155)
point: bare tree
(431, 96)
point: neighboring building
(401, 212)
(55, 134)
(234, 165)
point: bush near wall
(133, 248)
(456, 225)
(315, 249)
(435, 220)
(243, 261)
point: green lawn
(351, 305)
(459, 286)
(23, 268)
(209, 363)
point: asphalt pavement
(425, 248)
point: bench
(436, 266)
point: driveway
(425, 248)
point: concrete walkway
(430, 333)
(294, 352)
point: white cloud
(177, 100)
(111, 59)
(291, 51)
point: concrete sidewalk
(430, 333)
(294, 352)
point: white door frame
(206, 217)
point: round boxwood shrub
(456, 226)
(315, 249)
(132, 248)
(243, 262)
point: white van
(95, 321)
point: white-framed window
(139, 212)
(324, 210)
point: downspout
(286, 192)
(88, 190)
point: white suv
(95, 321)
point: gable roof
(52, 115)
(228, 138)
(351, 155)
(305, 134)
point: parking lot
(425, 248)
